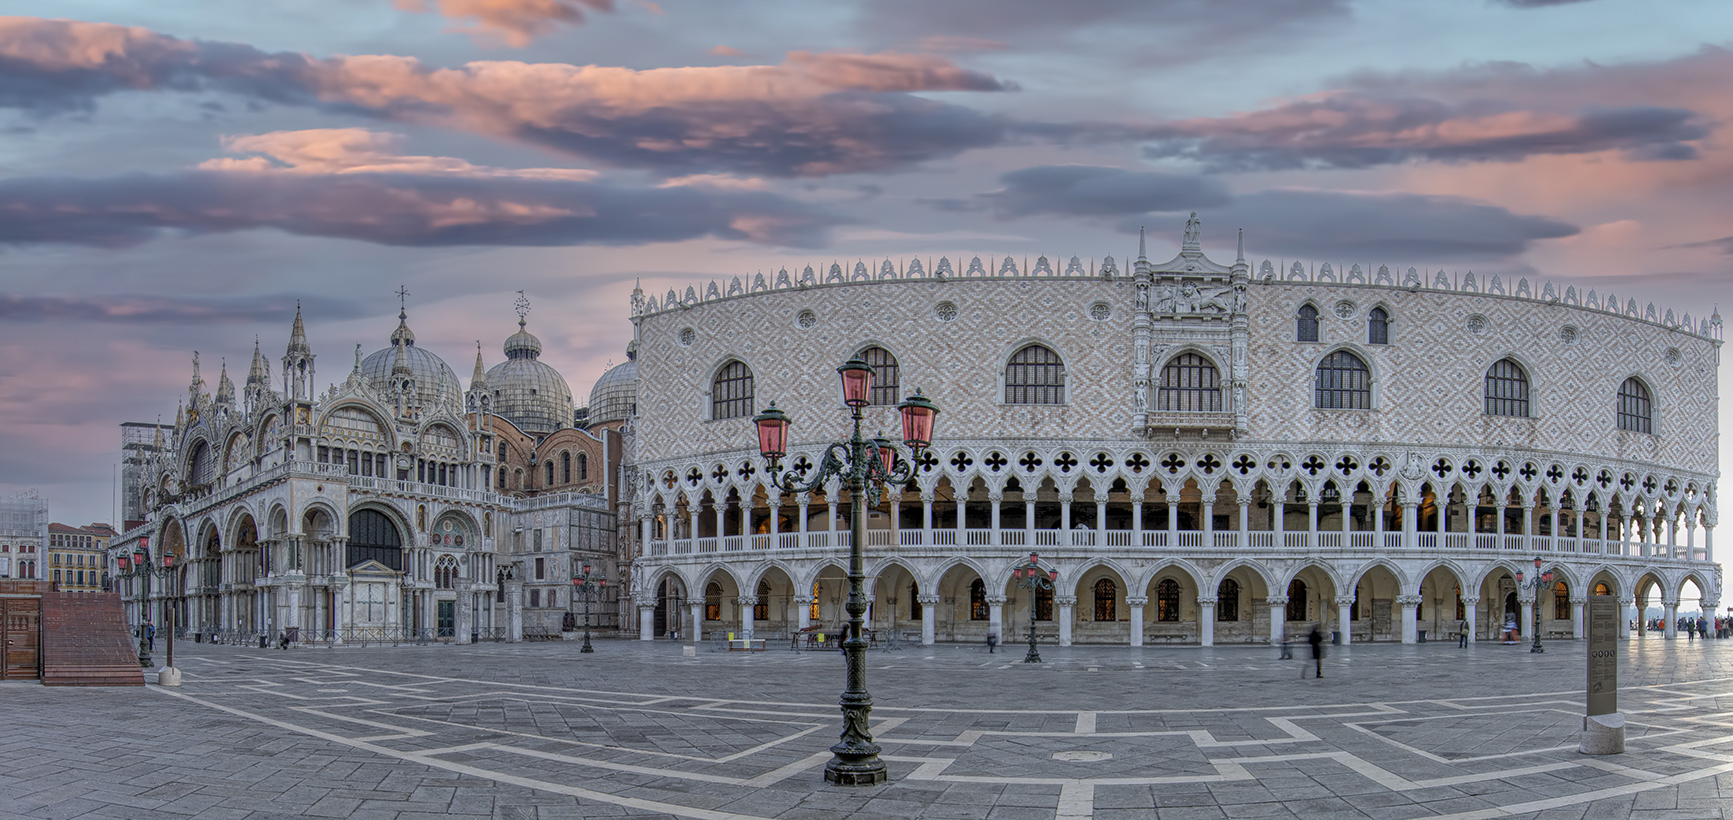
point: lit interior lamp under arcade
(855, 760)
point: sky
(176, 175)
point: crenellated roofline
(1108, 269)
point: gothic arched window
(977, 600)
(1601, 588)
(761, 609)
(502, 478)
(1634, 407)
(914, 601)
(1228, 600)
(565, 468)
(1378, 327)
(1306, 326)
(1561, 602)
(1035, 375)
(550, 471)
(1167, 600)
(583, 467)
(1296, 600)
(1344, 383)
(731, 392)
(886, 378)
(1106, 594)
(1506, 389)
(1189, 383)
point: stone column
(1100, 519)
(463, 611)
(803, 603)
(1344, 621)
(1670, 613)
(1278, 617)
(1245, 521)
(1411, 526)
(339, 595)
(996, 616)
(1172, 517)
(1206, 621)
(1136, 603)
(775, 501)
(1626, 607)
(1526, 619)
(1471, 613)
(747, 602)
(1410, 617)
(514, 609)
(698, 619)
(1209, 522)
(1065, 602)
(1064, 517)
(929, 615)
(646, 621)
(1312, 521)
(1577, 630)
(995, 497)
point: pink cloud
(516, 21)
(358, 151)
(814, 114)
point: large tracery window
(1634, 407)
(1344, 383)
(1189, 383)
(374, 537)
(1378, 327)
(886, 380)
(1506, 389)
(1297, 609)
(1035, 375)
(1561, 601)
(1306, 326)
(978, 600)
(565, 468)
(731, 392)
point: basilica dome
(532, 395)
(436, 384)
(615, 395)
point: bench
(746, 645)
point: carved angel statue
(1411, 467)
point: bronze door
(19, 632)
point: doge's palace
(1206, 452)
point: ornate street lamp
(1032, 577)
(863, 465)
(1540, 581)
(584, 588)
(139, 566)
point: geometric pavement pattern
(637, 730)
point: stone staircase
(85, 641)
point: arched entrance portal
(374, 557)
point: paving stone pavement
(539, 731)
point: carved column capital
(996, 600)
(1344, 600)
(1277, 600)
(1136, 600)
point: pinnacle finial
(523, 308)
(1142, 253)
(402, 301)
(1242, 248)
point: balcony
(1222, 541)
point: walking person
(992, 641)
(1287, 651)
(150, 634)
(1316, 639)
(1462, 636)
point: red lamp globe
(772, 433)
(1519, 576)
(125, 564)
(168, 560)
(857, 382)
(918, 413)
(887, 453)
(1053, 575)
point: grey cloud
(394, 209)
(164, 310)
(1724, 244)
(1355, 130)
(1380, 227)
(1535, 4)
(812, 115)
(1090, 190)
(1175, 27)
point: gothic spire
(1242, 248)
(479, 380)
(256, 374)
(1142, 251)
(225, 388)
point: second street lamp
(1540, 581)
(863, 465)
(588, 587)
(1032, 577)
